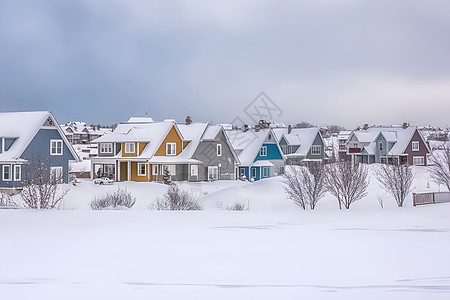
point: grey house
(301, 145)
(32, 140)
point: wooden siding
(185, 144)
(124, 154)
(172, 137)
(423, 150)
(134, 173)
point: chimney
(289, 129)
(188, 120)
(366, 126)
(245, 128)
(257, 127)
(405, 125)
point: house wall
(172, 137)
(318, 141)
(206, 152)
(10, 184)
(272, 153)
(384, 152)
(136, 177)
(133, 154)
(423, 151)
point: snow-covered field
(273, 251)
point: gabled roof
(302, 137)
(23, 126)
(248, 144)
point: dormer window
(415, 146)
(129, 148)
(56, 147)
(106, 148)
(316, 150)
(171, 149)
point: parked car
(103, 180)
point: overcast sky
(342, 62)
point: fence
(431, 198)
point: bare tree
(6, 200)
(305, 185)
(396, 180)
(440, 166)
(40, 186)
(175, 199)
(120, 199)
(347, 181)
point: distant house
(32, 140)
(258, 151)
(392, 144)
(79, 133)
(301, 145)
(140, 150)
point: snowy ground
(272, 251)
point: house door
(56, 174)
(213, 173)
(123, 171)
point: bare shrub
(40, 186)
(237, 207)
(347, 181)
(6, 200)
(175, 199)
(120, 199)
(305, 186)
(440, 166)
(396, 180)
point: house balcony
(354, 150)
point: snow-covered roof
(343, 134)
(211, 132)
(247, 144)
(302, 137)
(23, 126)
(140, 120)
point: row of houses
(142, 149)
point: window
(213, 173)
(6, 172)
(316, 150)
(17, 173)
(142, 171)
(253, 172)
(56, 147)
(263, 151)
(129, 148)
(242, 172)
(266, 172)
(219, 149)
(56, 174)
(380, 145)
(172, 169)
(155, 170)
(106, 148)
(415, 146)
(194, 170)
(418, 160)
(171, 149)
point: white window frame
(415, 143)
(56, 147)
(171, 168)
(266, 169)
(106, 148)
(173, 148)
(216, 173)
(219, 149)
(316, 150)
(154, 169)
(17, 171)
(421, 158)
(263, 151)
(57, 171)
(194, 170)
(253, 170)
(9, 172)
(380, 146)
(128, 146)
(139, 165)
(242, 172)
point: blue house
(32, 140)
(259, 153)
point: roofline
(61, 133)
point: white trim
(261, 151)
(139, 173)
(268, 172)
(17, 170)
(251, 171)
(154, 168)
(56, 171)
(173, 149)
(106, 146)
(415, 143)
(56, 147)
(314, 149)
(421, 160)
(9, 173)
(171, 168)
(134, 148)
(219, 149)
(194, 170)
(210, 168)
